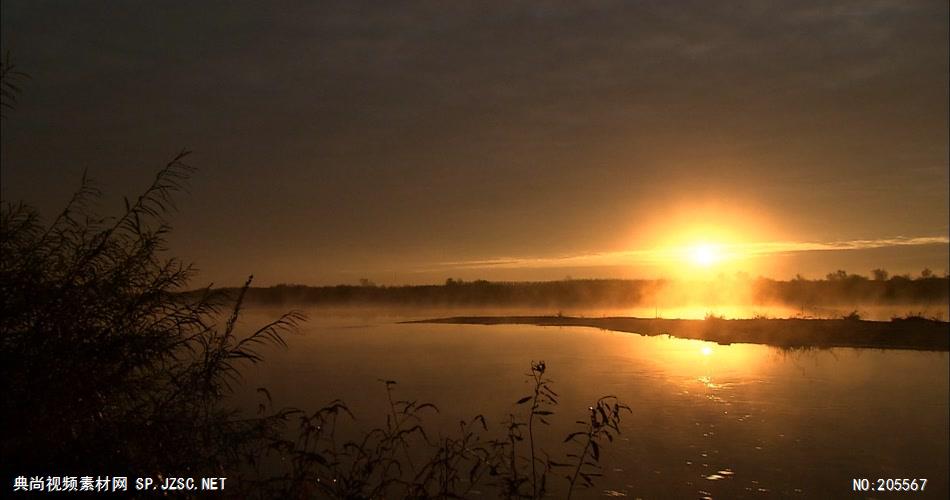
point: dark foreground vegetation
(838, 288)
(402, 459)
(912, 332)
(104, 371)
(109, 369)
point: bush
(111, 367)
(852, 316)
(107, 367)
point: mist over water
(873, 312)
(723, 421)
(733, 297)
(646, 196)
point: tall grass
(110, 368)
(402, 458)
(106, 367)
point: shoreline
(789, 333)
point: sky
(409, 142)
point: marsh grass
(918, 316)
(106, 367)
(109, 367)
(402, 458)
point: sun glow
(703, 238)
(704, 254)
(704, 250)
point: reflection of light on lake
(708, 383)
(779, 419)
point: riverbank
(912, 333)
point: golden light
(703, 238)
(704, 254)
(693, 250)
(697, 360)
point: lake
(708, 420)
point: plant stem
(580, 463)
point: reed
(108, 366)
(403, 458)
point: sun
(704, 254)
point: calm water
(738, 421)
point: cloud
(674, 254)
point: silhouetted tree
(837, 275)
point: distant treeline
(837, 288)
(841, 288)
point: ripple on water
(719, 475)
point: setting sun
(724, 238)
(704, 254)
(723, 226)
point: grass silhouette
(106, 366)
(109, 367)
(404, 459)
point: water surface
(736, 421)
